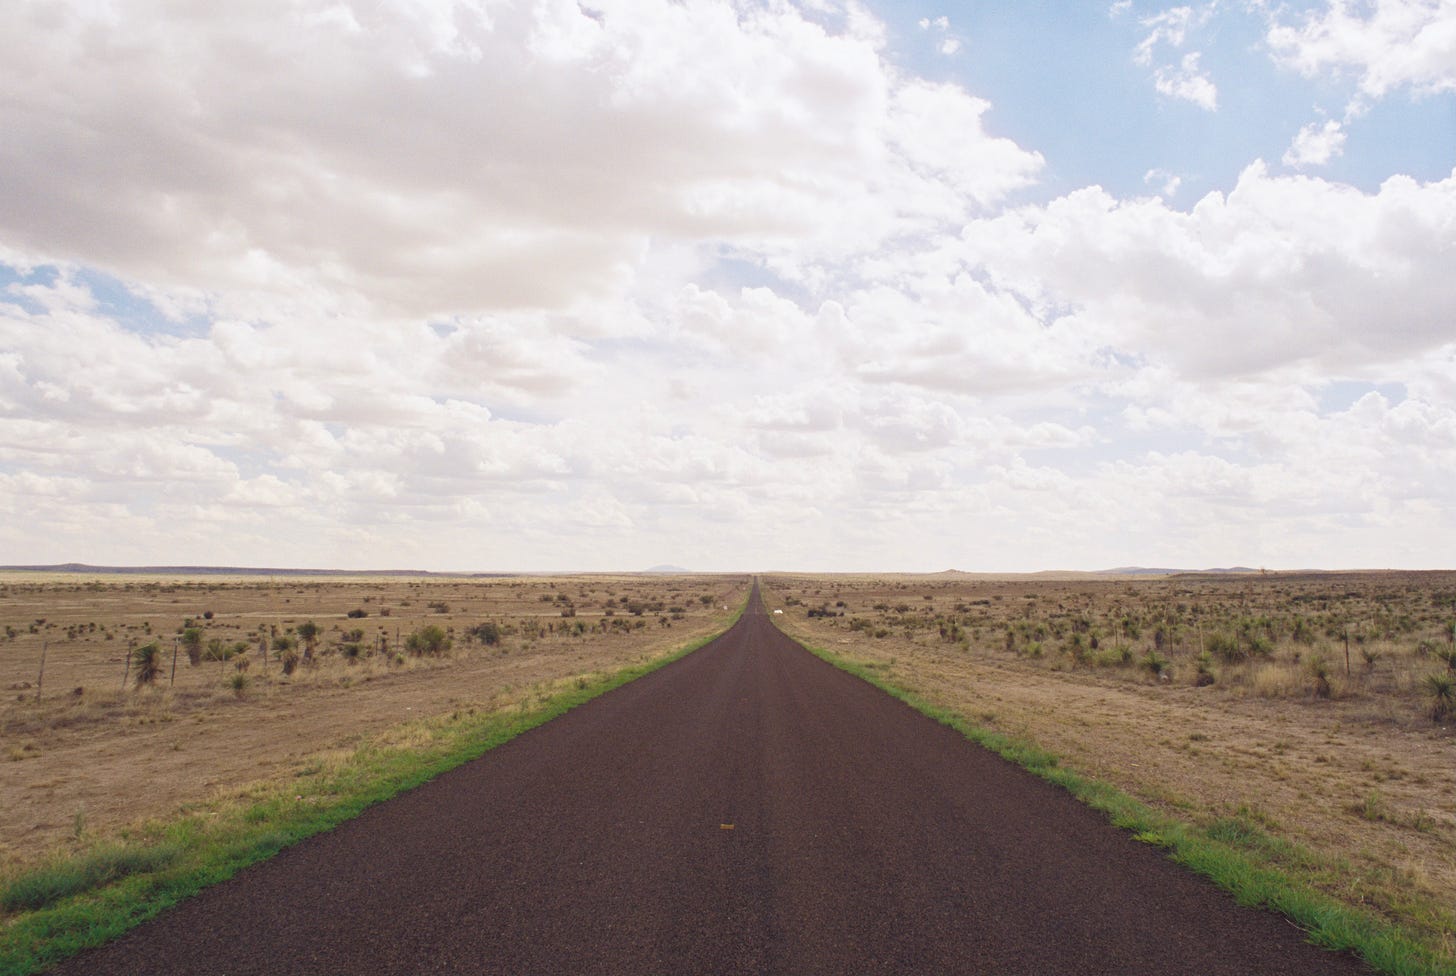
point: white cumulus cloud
(1182, 78)
(1315, 145)
(1386, 44)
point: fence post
(40, 679)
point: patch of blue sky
(513, 413)
(1062, 79)
(730, 271)
(1118, 438)
(10, 277)
(1413, 135)
(134, 312)
(612, 349)
(1341, 395)
(250, 462)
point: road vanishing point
(747, 809)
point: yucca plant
(147, 660)
(1319, 669)
(1442, 690)
(309, 632)
(287, 649)
(1156, 665)
(192, 644)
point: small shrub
(1226, 646)
(357, 614)
(239, 683)
(427, 641)
(488, 633)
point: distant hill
(666, 569)
(1150, 571)
(223, 571)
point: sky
(474, 285)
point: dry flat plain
(745, 810)
(92, 756)
(1222, 700)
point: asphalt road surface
(747, 809)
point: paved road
(747, 809)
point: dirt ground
(1364, 777)
(786, 819)
(1201, 696)
(91, 756)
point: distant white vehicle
(778, 611)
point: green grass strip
(1236, 855)
(74, 903)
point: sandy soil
(1362, 779)
(95, 761)
(746, 810)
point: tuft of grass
(1235, 852)
(1236, 832)
(67, 876)
(1371, 808)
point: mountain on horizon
(1158, 571)
(213, 571)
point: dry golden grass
(94, 756)
(1363, 778)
